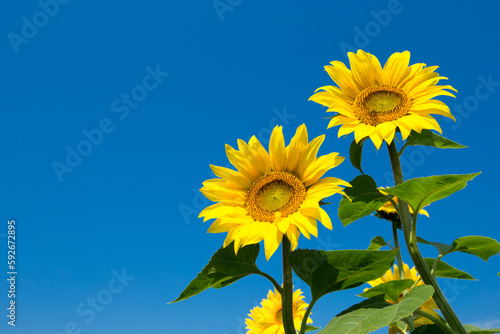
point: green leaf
(377, 243)
(423, 191)
(391, 289)
(429, 138)
(223, 269)
(482, 247)
(476, 330)
(443, 269)
(442, 248)
(364, 198)
(355, 152)
(375, 313)
(311, 328)
(428, 329)
(329, 271)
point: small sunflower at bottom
(267, 319)
(428, 307)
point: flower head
(271, 194)
(267, 318)
(374, 102)
(428, 307)
(389, 212)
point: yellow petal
(320, 166)
(277, 149)
(319, 214)
(297, 149)
(272, 241)
(236, 179)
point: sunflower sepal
(400, 327)
(330, 271)
(392, 289)
(364, 199)
(223, 269)
(310, 328)
(429, 138)
(376, 312)
(378, 242)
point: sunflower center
(275, 192)
(379, 104)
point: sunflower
(374, 102)
(267, 319)
(428, 307)
(389, 212)
(271, 194)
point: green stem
(435, 264)
(276, 285)
(411, 242)
(399, 257)
(435, 320)
(287, 294)
(306, 316)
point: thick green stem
(287, 294)
(411, 242)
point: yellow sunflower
(271, 194)
(389, 212)
(429, 306)
(267, 319)
(372, 101)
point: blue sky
(149, 92)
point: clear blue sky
(160, 87)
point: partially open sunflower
(374, 102)
(429, 306)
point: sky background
(160, 87)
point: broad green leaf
(442, 248)
(476, 330)
(443, 269)
(355, 153)
(364, 198)
(223, 269)
(375, 313)
(428, 329)
(482, 247)
(391, 289)
(329, 271)
(423, 191)
(377, 243)
(311, 328)
(429, 138)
